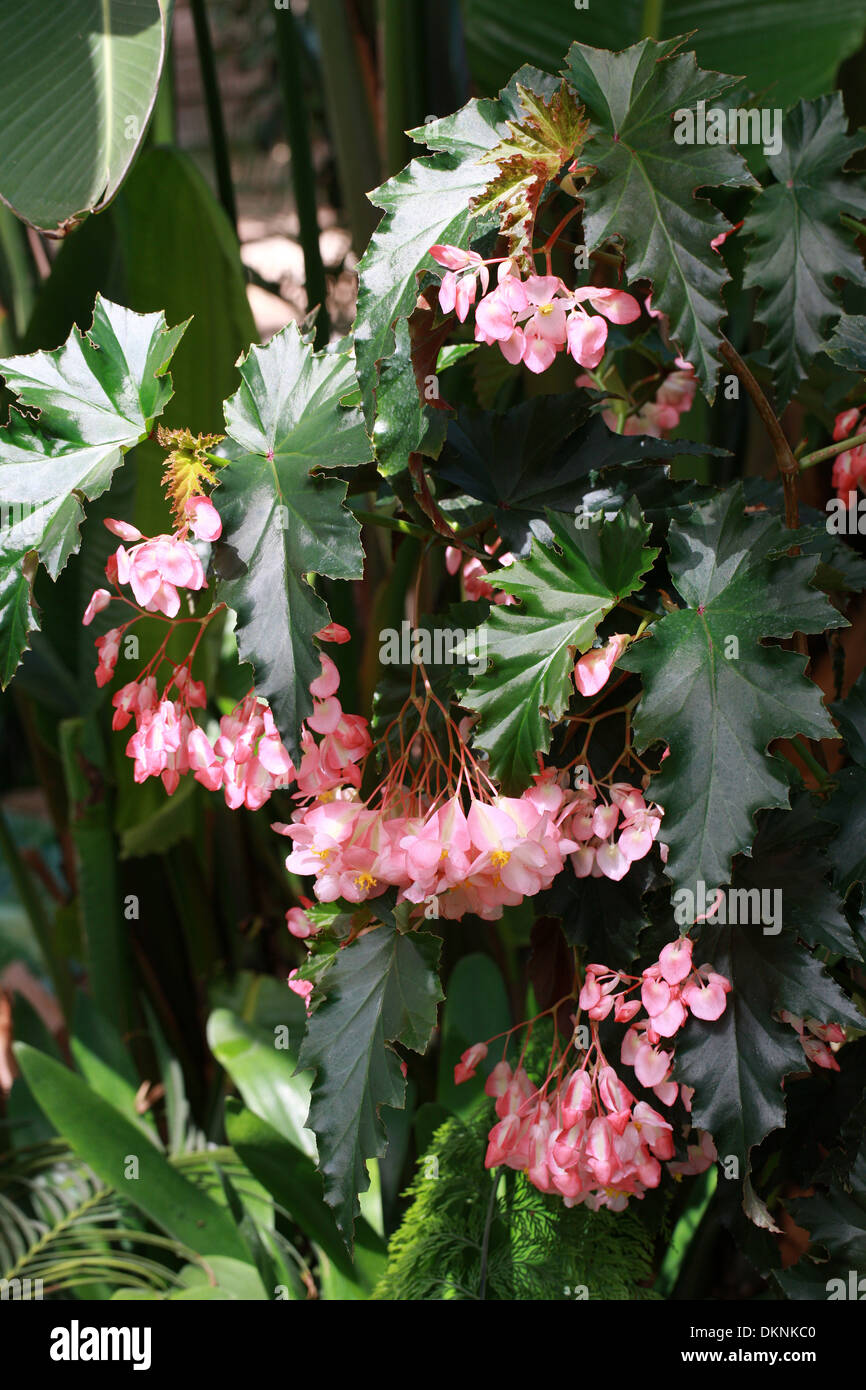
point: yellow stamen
(500, 857)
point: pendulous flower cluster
(582, 1133)
(247, 759)
(849, 467)
(531, 320)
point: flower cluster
(582, 1133)
(534, 319)
(610, 836)
(849, 468)
(476, 579)
(657, 417)
(247, 760)
(816, 1039)
(454, 858)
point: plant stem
(785, 461)
(651, 22)
(819, 455)
(216, 124)
(428, 505)
(303, 177)
(803, 751)
(855, 226)
(408, 528)
(485, 1244)
(402, 79)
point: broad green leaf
(97, 396)
(714, 693)
(427, 203)
(106, 1065)
(291, 1179)
(846, 808)
(799, 247)
(105, 1140)
(79, 83)
(738, 1063)
(786, 49)
(787, 858)
(237, 1279)
(538, 457)
(564, 589)
(264, 1074)
(644, 186)
(282, 518)
(847, 344)
(547, 136)
(836, 1222)
(380, 990)
(603, 917)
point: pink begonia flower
(204, 519)
(706, 996)
(844, 424)
(108, 648)
(302, 987)
(592, 670)
(156, 568)
(587, 337)
(334, 632)
(615, 305)
(457, 290)
(123, 529)
(100, 599)
(468, 1063)
(676, 960)
(299, 923)
(544, 328)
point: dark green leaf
(282, 519)
(786, 49)
(714, 694)
(565, 589)
(799, 246)
(738, 1063)
(381, 989)
(538, 457)
(644, 187)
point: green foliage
(714, 693)
(470, 1234)
(785, 48)
(801, 250)
(80, 81)
(644, 186)
(380, 990)
(564, 590)
(283, 520)
(97, 396)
